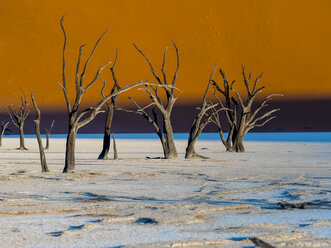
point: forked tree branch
(141, 111)
(96, 109)
(256, 81)
(113, 73)
(246, 80)
(269, 113)
(89, 58)
(262, 105)
(48, 131)
(239, 98)
(150, 65)
(4, 125)
(96, 76)
(154, 99)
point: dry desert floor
(277, 192)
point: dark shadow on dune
(305, 115)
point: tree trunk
(106, 136)
(238, 144)
(44, 167)
(115, 148)
(163, 143)
(229, 148)
(171, 152)
(47, 141)
(43, 163)
(190, 152)
(226, 142)
(22, 146)
(2, 132)
(4, 127)
(70, 150)
(48, 132)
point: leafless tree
(77, 118)
(239, 112)
(164, 129)
(203, 117)
(43, 163)
(4, 126)
(18, 115)
(110, 113)
(48, 132)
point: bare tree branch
(96, 76)
(141, 111)
(48, 132)
(246, 80)
(113, 73)
(63, 85)
(162, 68)
(262, 105)
(77, 67)
(96, 108)
(150, 65)
(88, 59)
(253, 124)
(177, 68)
(256, 81)
(239, 98)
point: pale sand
(216, 202)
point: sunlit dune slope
(289, 41)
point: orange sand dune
(287, 40)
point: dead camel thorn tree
(43, 163)
(110, 112)
(163, 128)
(201, 120)
(18, 115)
(48, 132)
(240, 115)
(4, 126)
(77, 118)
